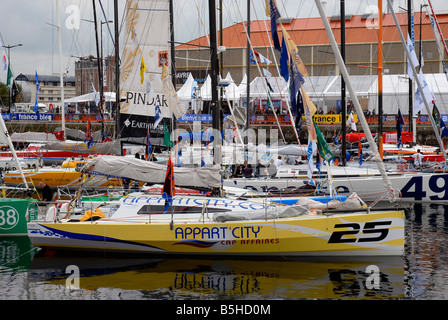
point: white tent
(185, 93)
(206, 89)
(109, 97)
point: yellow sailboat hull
(61, 178)
(350, 234)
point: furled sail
(148, 171)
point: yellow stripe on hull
(358, 234)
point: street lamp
(9, 47)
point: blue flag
(275, 15)
(444, 132)
(399, 127)
(158, 116)
(284, 72)
(148, 149)
(294, 86)
(36, 107)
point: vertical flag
(148, 149)
(275, 15)
(95, 95)
(439, 122)
(9, 77)
(15, 92)
(351, 122)
(309, 155)
(4, 58)
(36, 107)
(168, 191)
(158, 116)
(257, 58)
(166, 137)
(294, 53)
(335, 138)
(414, 59)
(171, 95)
(322, 145)
(419, 103)
(284, 72)
(399, 127)
(310, 110)
(295, 82)
(360, 152)
(142, 71)
(88, 139)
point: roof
(311, 31)
(43, 78)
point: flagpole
(61, 76)
(422, 94)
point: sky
(32, 23)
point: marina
(280, 188)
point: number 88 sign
(9, 217)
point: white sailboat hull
(413, 187)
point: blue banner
(28, 116)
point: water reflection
(215, 279)
(426, 252)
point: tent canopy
(109, 97)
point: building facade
(86, 74)
(50, 89)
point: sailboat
(210, 226)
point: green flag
(166, 137)
(436, 115)
(8, 81)
(322, 145)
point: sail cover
(146, 49)
(147, 171)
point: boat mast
(380, 77)
(428, 110)
(343, 104)
(100, 71)
(248, 80)
(61, 76)
(411, 88)
(364, 124)
(117, 73)
(215, 107)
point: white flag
(425, 87)
(95, 95)
(351, 122)
(414, 59)
(4, 58)
(419, 103)
(312, 146)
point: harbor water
(27, 273)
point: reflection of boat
(269, 279)
(17, 253)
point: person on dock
(418, 160)
(47, 193)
